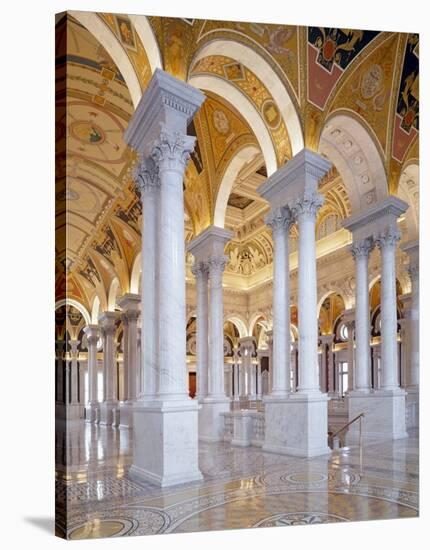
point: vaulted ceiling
(369, 76)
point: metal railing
(360, 433)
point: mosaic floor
(242, 487)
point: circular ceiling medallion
(271, 114)
(220, 121)
(87, 132)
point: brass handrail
(348, 424)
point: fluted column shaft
(148, 183)
(280, 220)
(305, 211)
(360, 252)
(200, 272)
(389, 356)
(236, 374)
(171, 155)
(216, 267)
(92, 332)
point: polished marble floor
(242, 487)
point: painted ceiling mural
(371, 76)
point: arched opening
(247, 110)
(261, 68)
(114, 293)
(349, 145)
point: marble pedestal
(412, 408)
(126, 414)
(296, 425)
(242, 428)
(92, 413)
(384, 415)
(211, 421)
(108, 414)
(166, 442)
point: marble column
(270, 346)
(169, 419)
(75, 410)
(59, 357)
(387, 243)
(384, 407)
(305, 211)
(259, 379)
(326, 343)
(349, 317)
(360, 252)
(147, 181)
(130, 305)
(124, 320)
(246, 350)
(412, 363)
(93, 334)
(139, 364)
(200, 272)
(110, 402)
(236, 374)
(280, 221)
(296, 423)
(208, 251)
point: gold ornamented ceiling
(371, 76)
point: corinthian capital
(172, 150)
(216, 265)
(199, 269)
(362, 248)
(388, 238)
(279, 219)
(307, 206)
(146, 176)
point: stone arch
(294, 332)
(254, 319)
(261, 68)
(71, 302)
(408, 190)
(92, 22)
(95, 310)
(136, 271)
(237, 162)
(239, 323)
(148, 39)
(114, 292)
(350, 146)
(247, 110)
(328, 293)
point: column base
(211, 422)
(297, 425)
(126, 414)
(92, 413)
(166, 442)
(109, 413)
(412, 407)
(384, 415)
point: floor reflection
(242, 487)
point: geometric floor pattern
(242, 487)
